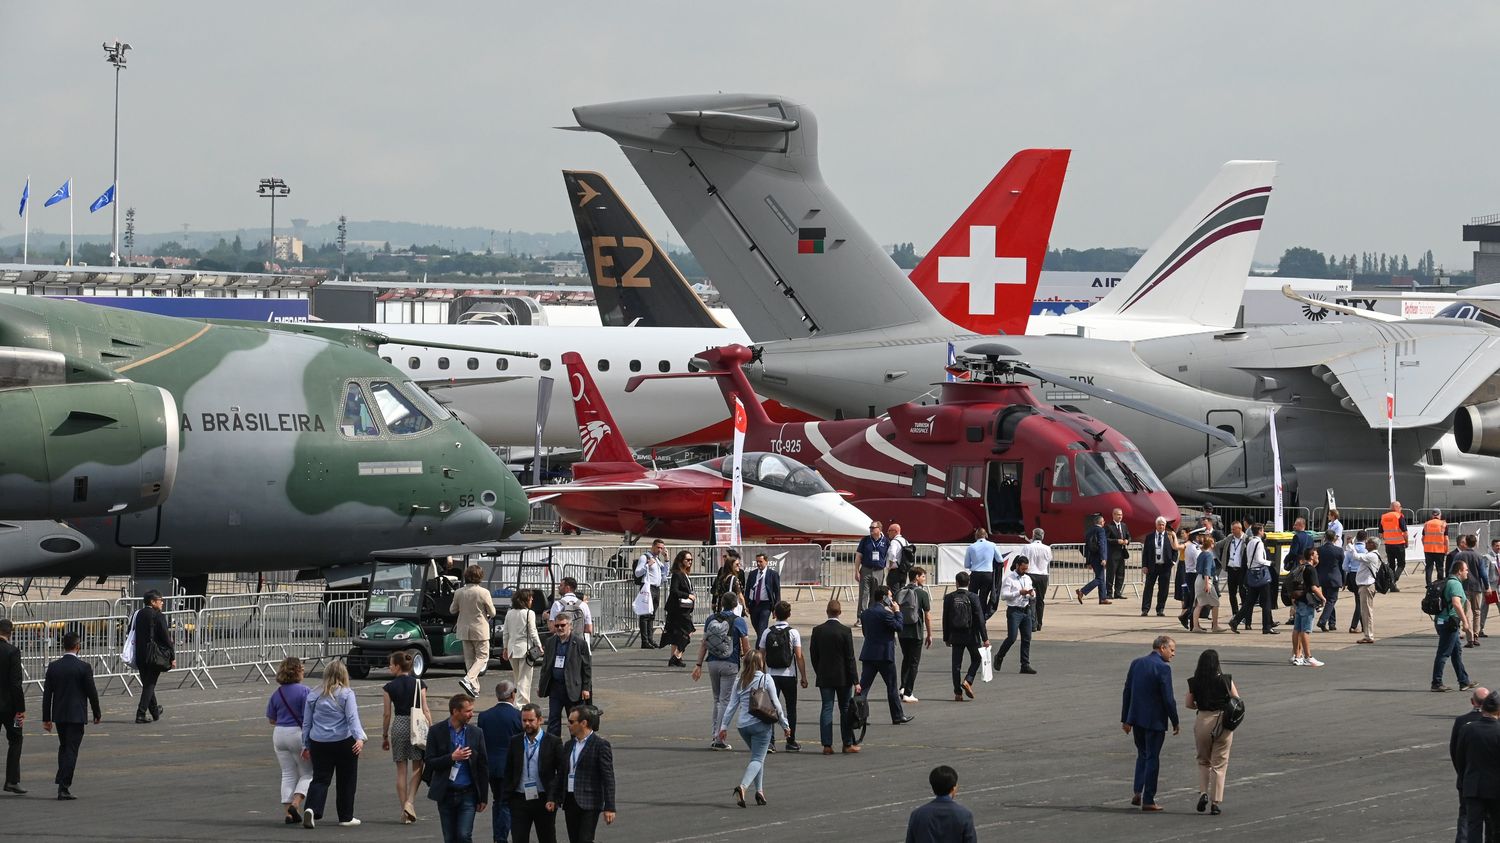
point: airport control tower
(1486, 232)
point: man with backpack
(569, 604)
(1448, 605)
(963, 630)
(916, 629)
(1301, 591)
(762, 592)
(725, 639)
(831, 649)
(782, 646)
(903, 556)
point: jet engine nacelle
(1477, 429)
(86, 449)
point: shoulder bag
(763, 702)
(419, 724)
(1233, 714)
(534, 655)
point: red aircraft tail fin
(982, 275)
(597, 430)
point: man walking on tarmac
(1435, 547)
(1393, 536)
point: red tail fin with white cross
(982, 274)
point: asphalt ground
(1353, 750)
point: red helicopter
(611, 492)
(989, 454)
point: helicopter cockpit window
(1138, 467)
(1098, 476)
(358, 419)
(401, 416)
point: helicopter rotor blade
(1125, 401)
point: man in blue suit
(1147, 707)
(880, 623)
(499, 724)
(762, 593)
(942, 820)
(1095, 551)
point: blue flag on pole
(25, 194)
(104, 199)
(61, 194)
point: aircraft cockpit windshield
(773, 471)
(404, 413)
(1114, 471)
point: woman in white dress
(517, 638)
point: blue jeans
(500, 810)
(1302, 620)
(1097, 581)
(758, 737)
(456, 812)
(1147, 762)
(1016, 620)
(1450, 647)
(825, 715)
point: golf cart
(411, 591)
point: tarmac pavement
(1353, 750)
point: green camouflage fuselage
(286, 458)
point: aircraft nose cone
(845, 519)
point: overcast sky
(1380, 112)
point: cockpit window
(773, 471)
(401, 416)
(357, 420)
(426, 402)
(1114, 471)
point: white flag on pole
(1390, 432)
(737, 487)
(1278, 521)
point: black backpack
(858, 717)
(1294, 585)
(1385, 578)
(779, 647)
(961, 613)
(908, 558)
(1432, 601)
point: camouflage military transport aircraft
(241, 447)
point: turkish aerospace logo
(1315, 314)
(591, 434)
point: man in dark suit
(1478, 762)
(1095, 552)
(763, 592)
(567, 672)
(585, 777)
(12, 706)
(68, 695)
(1157, 559)
(460, 770)
(1330, 579)
(831, 650)
(966, 640)
(530, 767)
(1476, 701)
(1119, 540)
(1147, 707)
(500, 724)
(942, 820)
(880, 623)
(151, 629)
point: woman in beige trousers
(518, 636)
(1209, 691)
(475, 609)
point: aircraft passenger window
(604, 365)
(663, 366)
(425, 402)
(401, 416)
(546, 365)
(501, 364)
(358, 420)
(473, 363)
(442, 362)
(413, 363)
(635, 365)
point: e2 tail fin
(982, 275)
(634, 279)
(1196, 271)
(597, 431)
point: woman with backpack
(759, 710)
(1209, 690)
(677, 627)
(781, 644)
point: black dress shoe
(64, 795)
(15, 788)
(1183, 619)
(905, 718)
(141, 718)
(1028, 669)
(1272, 631)
(1161, 614)
(157, 712)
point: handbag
(158, 658)
(1491, 598)
(534, 656)
(1258, 576)
(1232, 715)
(763, 704)
(419, 724)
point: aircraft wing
(1433, 375)
(1372, 315)
(534, 493)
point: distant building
(288, 248)
(565, 268)
(1486, 232)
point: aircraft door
(1227, 467)
(1002, 497)
(138, 529)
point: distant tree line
(1302, 262)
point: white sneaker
(350, 823)
(1312, 662)
(1299, 661)
(909, 699)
